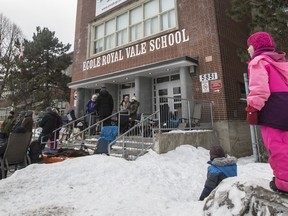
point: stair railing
(139, 128)
(69, 126)
(114, 117)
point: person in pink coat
(268, 103)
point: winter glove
(252, 115)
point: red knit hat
(261, 39)
(216, 151)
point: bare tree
(10, 37)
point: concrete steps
(130, 148)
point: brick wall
(208, 28)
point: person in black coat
(104, 106)
(48, 125)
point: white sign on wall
(105, 5)
(205, 86)
(208, 76)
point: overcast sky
(56, 15)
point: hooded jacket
(268, 86)
(219, 169)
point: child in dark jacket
(220, 168)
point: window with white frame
(147, 19)
(122, 29)
(136, 27)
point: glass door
(167, 96)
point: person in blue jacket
(221, 167)
(91, 109)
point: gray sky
(56, 15)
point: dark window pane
(163, 100)
(177, 90)
(177, 106)
(175, 77)
(127, 85)
(177, 98)
(163, 79)
(163, 92)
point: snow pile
(168, 184)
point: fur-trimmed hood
(223, 161)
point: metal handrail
(94, 125)
(192, 114)
(122, 136)
(67, 126)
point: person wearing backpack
(268, 103)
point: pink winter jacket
(268, 86)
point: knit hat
(261, 39)
(134, 98)
(216, 151)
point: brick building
(144, 46)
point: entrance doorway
(167, 95)
(127, 89)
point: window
(177, 90)
(147, 19)
(136, 27)
(99, 36)
(122, 24)
(163, 79)
(175, 77)
(163, 92)
(168, 17)
(151, 10)
(110, 27)
(127, 85)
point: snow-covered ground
(153, 185)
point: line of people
(100, 106)
(128, 112)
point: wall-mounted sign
(205, 86)
(152, 45)
(105, 5)
(208, 76)
(216, 84)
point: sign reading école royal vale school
(137, 49)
